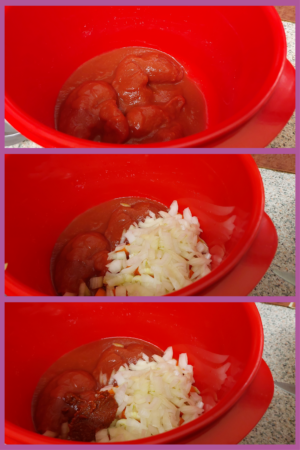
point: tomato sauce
(131, 95)
(81, 251)
(69, 392)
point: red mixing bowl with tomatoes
(236, 54)
(37, 334)
(225, 192)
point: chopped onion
(168, 355)
(83, 289)
(119, 378)
(173, 208)
(109, 292)
(102, 436)
(165, 254)
(120, 392)
(183, 361)
(130, 237)
(64, 430)
(145, 357)
(107, 388)
(115, 266)
(96, 282)
(121, 291)
(117, 255)
(50, 434)
(155, 395)
(102, 378)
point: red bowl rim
(14, 432)
(28, 126)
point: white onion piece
(96, 282)
(83, 290)
(130, 237)
(64, 430)
(121, 291)
(115, 266)
(103, 378)
(119, 378)
(102, 436)
(145, 357)
(49, 433)
(120, 392)
(173, 208)
(107, 388)
(109, 292)
(168, 355)
(117, 255)
(183, 361)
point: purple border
(154, 447)
(170, 299)
(151, 2)
(134, 151)
(2, 416)
(147, 151)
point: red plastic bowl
(44, 193)
(244, 75)
(37, 334)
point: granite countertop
(286, 139)
(278, 424)
(280, 206)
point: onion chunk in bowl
(153, 397)
(164, 254)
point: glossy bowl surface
(237, 69)
(44, 193)
(37, 334)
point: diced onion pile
(164, 254)
(153, 397)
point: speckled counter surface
(286, 139)
(278, 424)
(280, 206)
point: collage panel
(150, 76)
(162, 373)
(150, 225)
(245, 217)
(127, 195)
